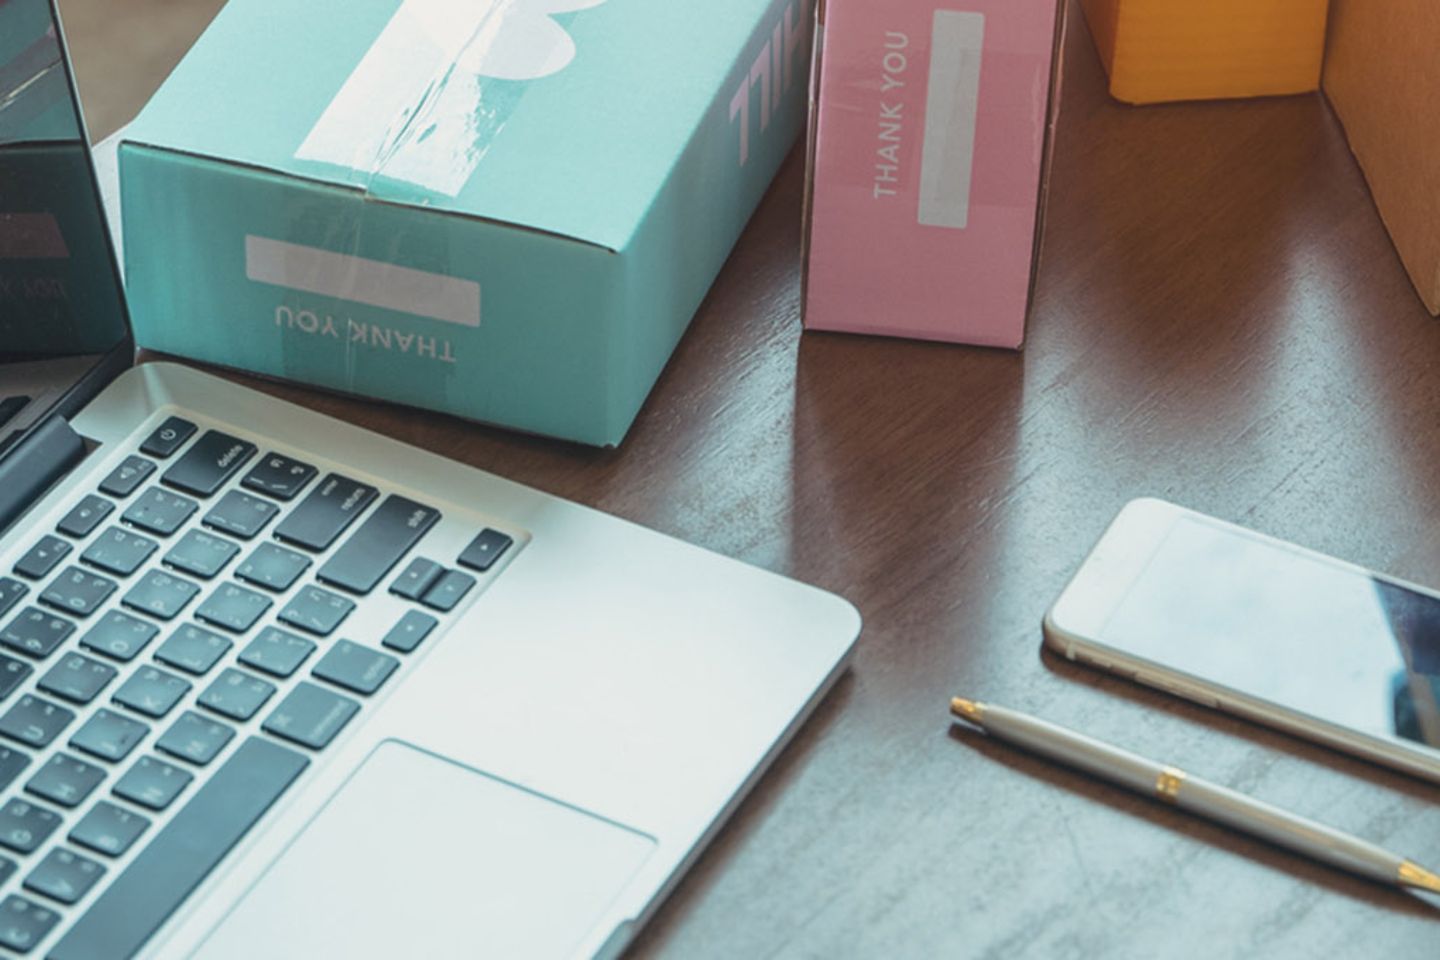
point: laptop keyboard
(173, 656)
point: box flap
(558, 115)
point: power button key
(168, 437)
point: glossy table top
(1221, 321)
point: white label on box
(31, 236)
(358, 280)
(947, 160)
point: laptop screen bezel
(119, 358)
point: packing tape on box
(436, 88)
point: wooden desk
(1220, 321)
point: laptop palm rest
(416, 856)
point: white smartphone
(1260, 628)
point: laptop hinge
(37, 462)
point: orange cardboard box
(1159, 50)
(1383, 78)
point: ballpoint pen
(1197, 796)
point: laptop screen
(61, 306)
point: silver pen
(1197, 796)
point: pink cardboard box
(929, 150)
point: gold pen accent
(1172, 785)
(968, 710)
(1414, 875)
(1167, 785)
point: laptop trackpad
(420, 857)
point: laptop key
(64, 876)
(12, 674)
(108, 829)
(12, 764)
(310, 716)
(65, 780)
(273, 567)
(24, 923)
(77, 678)
(151, 691)
(277, 652)
(354, 667)
(36, 633)
(168, 437)
(233, 608)
(316, 611)
(160, 512)
(126, 478)
(201, 554)
(410, 632)
(193, 649)
(119, 636)
(24, 825)
(417, 578)
(485, 550)
(206, 466)
(78, 592)
(152, 783)
(195, 738)
(380, 542)
(279, 476)
(34, 721)
(326, 513)
(11, 593)
(182, 853)
(119, 551)
(448, 591)
(85, 516)
(241, 515)
(236, 694)
(108, 735)
(7, 869)
(160, 595)
(40, 559)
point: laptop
(274, 686)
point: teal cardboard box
(507, 210)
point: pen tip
(966, 709)
(1414, 875)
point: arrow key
(109, 829)
(24, 924)
(64, 876)
(152, 783)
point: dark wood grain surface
(1220, 321)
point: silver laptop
(274, 686)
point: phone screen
(1283, 626)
